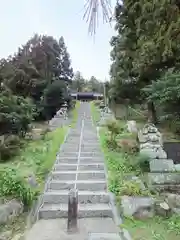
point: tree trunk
(152, 117)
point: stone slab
(162, 165)
(164, 178)
(131, 205)
(91, 154)
(98, 159)
(88, 185)
(153, 154)
(84, 197)
(53, 211)
(56, 229)
(104, 236)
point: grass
(75, 113)
(153, 229)
(95, 113)
(38, 156)
(121, 165)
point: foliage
(145, 48)
(128, 146)
(54, 96)
(158, 228)
(131, 188)
(30, 71)
(80, 84)
(16, 113)
(9, 146)
(13, 185)
(113, 128)
(141, 162)
(165, 92)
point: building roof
(87, 94)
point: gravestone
(173, 151)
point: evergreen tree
(146, 45)
(66, 71)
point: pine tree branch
(91, 14)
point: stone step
(68, 154)
(92, 150)
(167, 188)
(97, 159)
(89, 185)
(82, 175)
(91, 154)
(89, 144)
(67, 159)
(69, 149)
(164, 178)
(83, 160)
(84, 197)
(104, 236)
(162, 165)
(52, 211)
(73, 167)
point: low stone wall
(163, 171)
(163, 178)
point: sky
(20, 19)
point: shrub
(131, 188)
(13, 185)
(54, 96)
(113, 128)
(9, 146)
(97, 103)
(16, 113)
(128, 146)
(141, 162)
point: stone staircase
(80, 165)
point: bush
(9, 146)
(113, 128)
(16, 113)
(97, 103)
(141, 162)
(13, 185)
(54, 96)
(131, 188)
(128, 146)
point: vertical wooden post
(72, 211)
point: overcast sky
(20, 19)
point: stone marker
(72, 211)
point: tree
(78, 82)
(66, 71)
(54, 96)
(95, 85)
(146, 45)
(38, 63)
